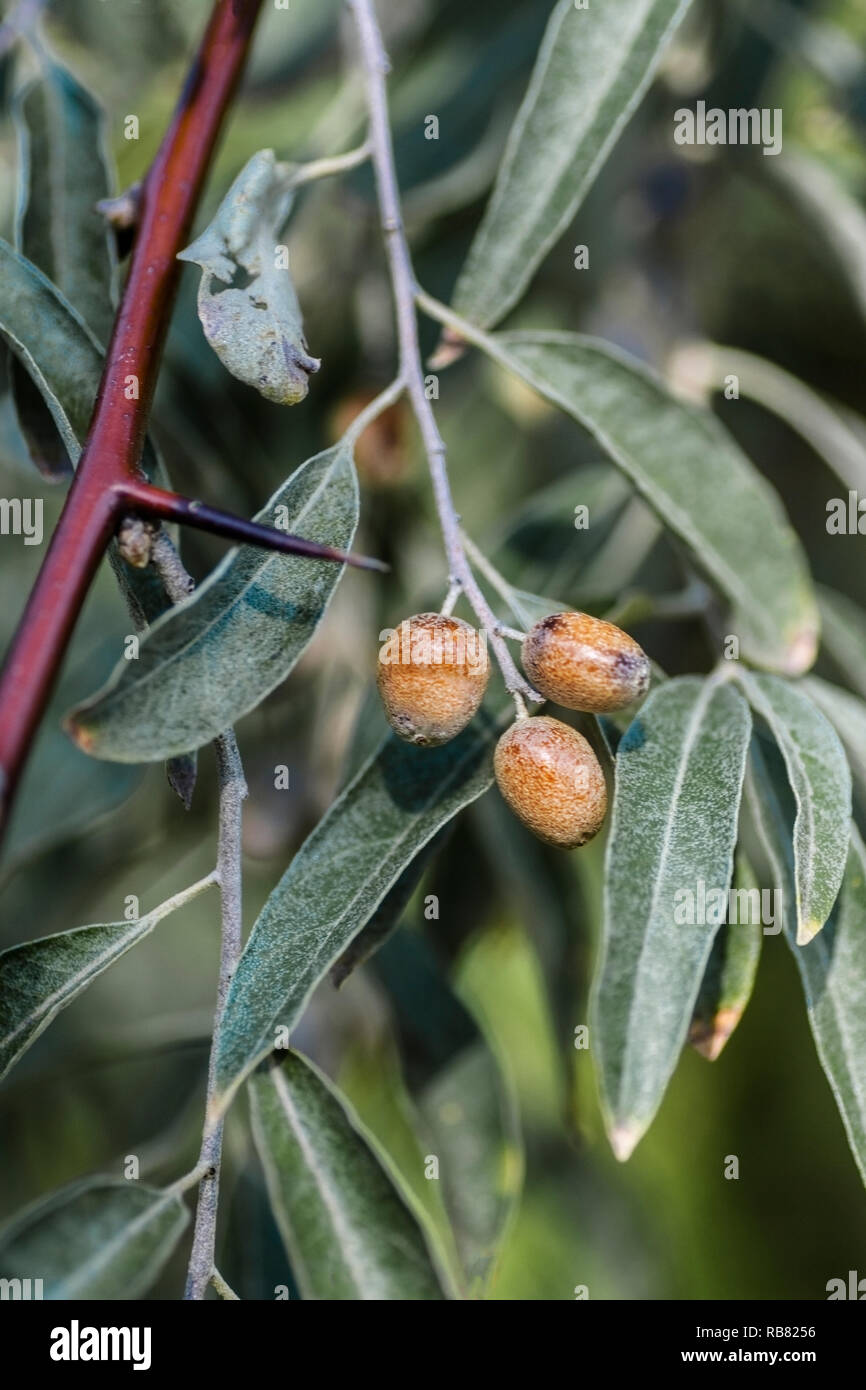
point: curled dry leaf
(246, 299)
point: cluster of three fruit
(433, 679)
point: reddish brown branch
(145, 499)
(113, 448)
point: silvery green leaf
(738, 536)
(54, 345)
(593, 66)
(613, 726)
(822, 422)
(469, 1122)
(843, 636)
(730, 974)
(821, 782)
(212, 658)
(64, 362)
(102, 1238)
(348, 1226)
(679, 773)
(56, 348)
(833, 965)
(388, 914)
(847, 714)
(543, 891)
(541, 547)
(337, 879)
(41, 977)
(63, 174)
(246, 300)
(463, 1099)
(834, 214)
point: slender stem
(188, 1180)
(156, 501)
(702, 367)
(185, 896)
(325, 168)
(233, 790)
(455, 589)
(224, 1289)
(379, 403)
(176, 581)
(112, 451)
(496, 580)
(375, 66)
(461, 328)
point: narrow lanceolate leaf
(41, 977)
(730, 974)
(388, 914)
(103, 1238)
(246, 300)
(835, 215)
(818, 420)
(847, 714)
(592, 69)
(821, 782)
(396, 803)
(55, 347)
(469, 1122)
(843, 636)
(738, 536)
(833, 965)
(348, 1227)
(53, 344)
(63, 175)
(214, 657)
(679, 773)
(464, 1101)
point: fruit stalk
(374, 63)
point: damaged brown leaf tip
(709, 1035)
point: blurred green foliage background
(701, 243)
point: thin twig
(455, 589)
(375, 408)
(496, 580)
(327, 167)
(188, 1180)
(224, 1289)
(233, 790)
(375, 66)
(176, 580)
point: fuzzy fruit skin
(552, 780)
(585, 663)
(431, 696)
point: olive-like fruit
(432, 674)
(552, 780)
(585, 663)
